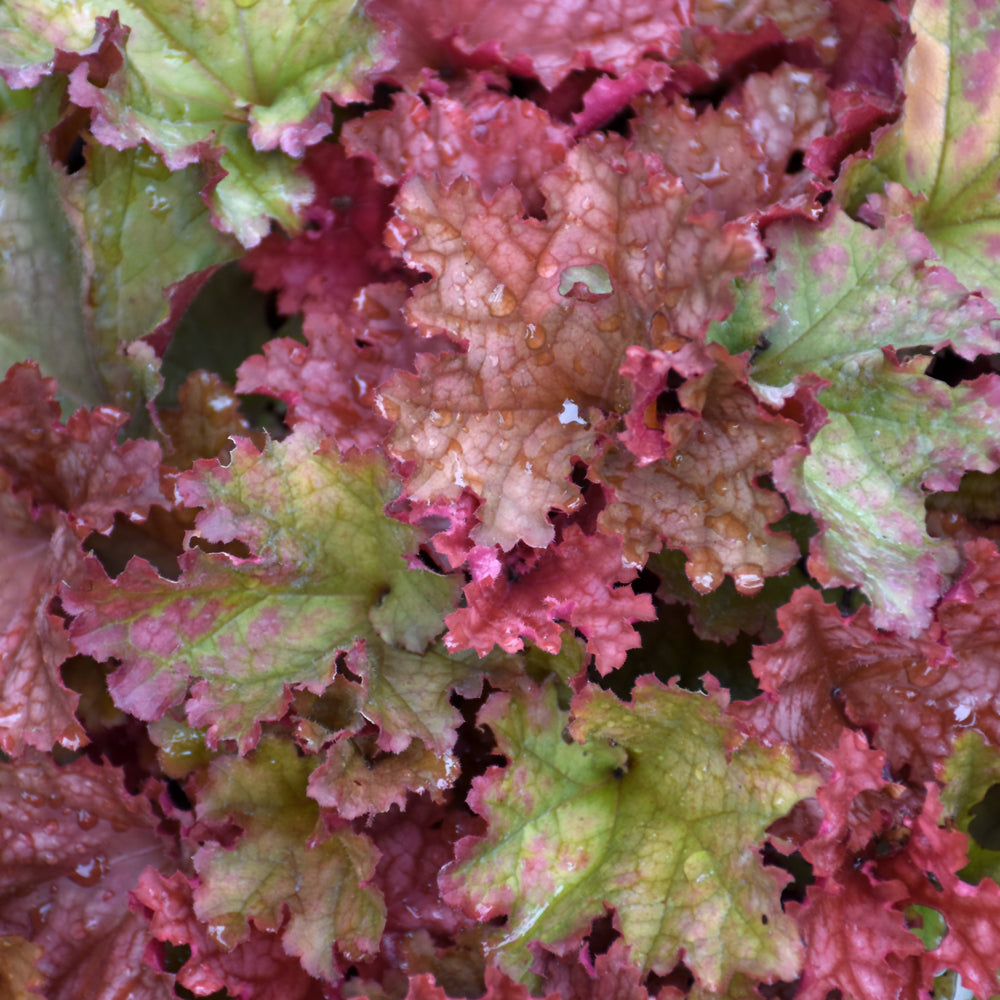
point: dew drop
(698, 867)
(534, 336)
(721, 485)
(704, 570)
(441, 418)
(543, 359)
(920, 673)
(506, 418)
(749, 579)
(88, 873)
(501, 301)
(728, 526)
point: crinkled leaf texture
(574, 582)
(73, 846)
(547, 310)
(652, 807)
(284, 863)
(327, 574)
(58, 482)
(849, 298)
(258, 967)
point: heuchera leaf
(939, 683)
(356, 780)
(74, 845)
(19, 977)
(57, 484)
(327, 570)
(735, 157)
(847, 797)
(927, 867)
(257, 968)
(462, 135)
(703, 497)
(944, 146)
(218, 85)
(90, 255)
(331, 381)
(548, 41)
(847, 294)
(284, 862)
(547, 310)
(640, 812)
(38, 554)
(851, 927)
(574, 582)
(971, 771)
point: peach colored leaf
(703, 498)
(547, 310)
(735, 157)
(465, 134)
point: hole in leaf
(175, 790)
(76, 158)
(796, 162)
(602, 935)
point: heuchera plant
(500, 500)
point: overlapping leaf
(259, 966)
(222, 83)
(702, 497)
(284, 862)
(645, 814)
(327, 571)
(574, 582)
(89, 257)
(944, 146)
(547, 41)
(547, 310)
(466, 134)
(58, 482)
(846, 295)
(735, 158)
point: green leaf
(946, 146)
(88, 257)
(654, 807)
(970, 772)
(285, 861)
(327, 573)
(845, 294)
(741, 329)
(215, 79)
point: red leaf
(77, 467)
(465, 134)
(851, 927)
(256, 969)
(74, 845)
(340, 250)
(573, 584)
(547, 41)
